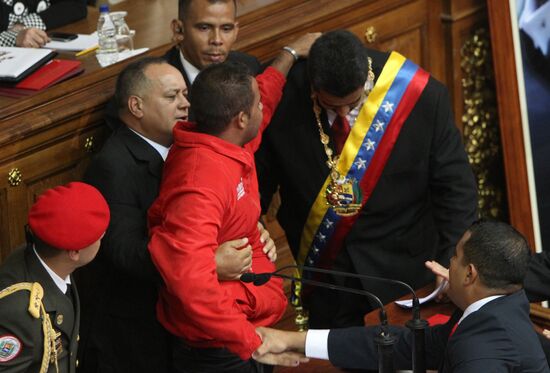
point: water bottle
(107, 53)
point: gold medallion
(344, 196)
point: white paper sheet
(82, 42)
(407, 303)
(127, 54)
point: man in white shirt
(493, 333)
(39, 333)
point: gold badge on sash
(343, 195)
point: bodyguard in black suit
(120, 331)
(492, 334)
(205, 33)
(425, 197)
(39, 304)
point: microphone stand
(417, 325)
(384, 342)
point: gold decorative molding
(15, 177)
(480, 120)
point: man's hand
(279, 347)
(233, 258)
(303, 44)
(269, 248)
(442, 274)
(31, 38)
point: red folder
(49, 74)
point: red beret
(69, 217)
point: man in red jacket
(209, 194)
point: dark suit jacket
(424, 201)
(24, 266)
(499, 337)
(173, 58)
(120, 332)
(537, 280)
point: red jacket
(209, 195)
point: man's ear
(135, 106)
(471, 274)
(242, 120)
(74, 255)
(177, 31)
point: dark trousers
(212, 360)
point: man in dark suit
(416, 198)
(205, 33)
(39, 333)
(119, 290)
(493, 333)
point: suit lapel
(142, 151)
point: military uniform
(22, 334)
(39, 309)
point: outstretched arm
(297, 49)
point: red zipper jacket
(209, 195)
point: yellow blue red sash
(363, 157)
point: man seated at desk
(23, 22)
(492, 334)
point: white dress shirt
(351, 116)
(59, 282)
(190, 70)
(161, 149)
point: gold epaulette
(37, 310)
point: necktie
(69, 292)
(453, 330)
(340, 131)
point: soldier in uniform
(39, 309)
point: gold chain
(332, 162)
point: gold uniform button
(78, 337)
(77, 363)
(59, 319)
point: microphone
(384, 341)
(417, 325)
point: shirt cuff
(8, 38)
(317, 343)
(33, 20)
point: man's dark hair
(337, 63)
(219, 93)
(499, 252)
(183, 6)
(132, 80)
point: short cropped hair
(337, 63)
(132, 80)
(219, 93)
(183, 6)
(499, 252)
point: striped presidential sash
(363, 158)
